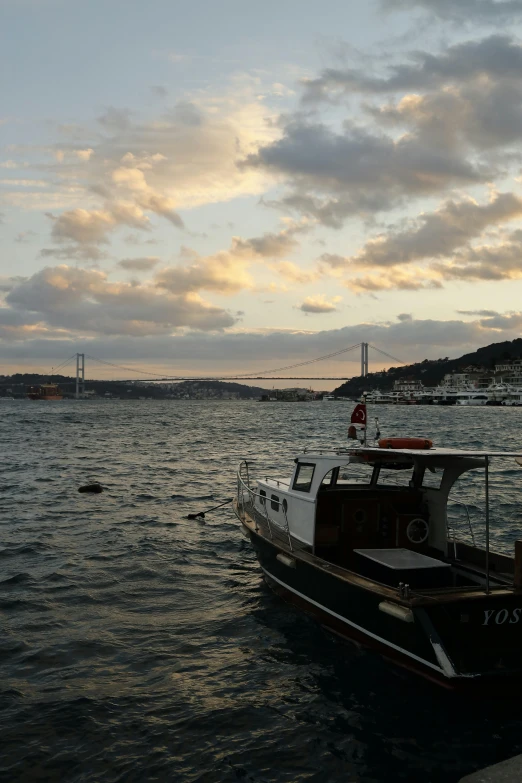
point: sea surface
(137, 645)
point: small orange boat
(46, 391)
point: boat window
(304, 476)
(432, 478)
(285, 506)
(355, 473)
(329, 480)
(396, 475)
(262, 498)
(274, 502)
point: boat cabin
(379, 512)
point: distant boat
(46, 391)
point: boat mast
(366, 417)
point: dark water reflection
(137, 645)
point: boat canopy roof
(374, 453)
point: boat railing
(341, 451)
(244, 489)
(278, 481)
(451, 527)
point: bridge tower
(80, 374)
(364, 360)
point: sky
(223, 188)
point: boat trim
(358, 627)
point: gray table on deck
(401, 559)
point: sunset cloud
(319, 304)
(435, 234)
(139, 264)
(208, 191)
(358, 171)
(84, 301)
(497, 57)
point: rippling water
(138, 645)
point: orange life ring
(405, 443)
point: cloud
(478, 11)
(449, 234)
(160, 91)
(243, 351)
(188, 154)
(25, 236)
(131, 180)
(269, 245)
(83, 230)
(83, 301)
(11, 164)
(115, 120)
(483, 313)
(90, 253)
(83, 226)
(491, 262)
(124, 169)
(24, 183)
(496, 56)
(507, 322)
(139, 264)
(294, 273)
(225, 273)
(411, 279)
(483, 115)
(434, 234)
(485, 262)
(136, 239)
(318, 304)
(368, 171)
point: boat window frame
(346, 484)
(333, 473)
(308, 486)
(262, 497)
(274, 502)
(439, 472)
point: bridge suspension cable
(121, 367)
(54, 370)
(387, 354)
(301, 364)
(231, 377)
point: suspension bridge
(270, 374)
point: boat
(472, 398)
(46, 391)
(359, 537)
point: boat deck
(258, 523)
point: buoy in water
(94, 487)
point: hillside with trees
(431, 371)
